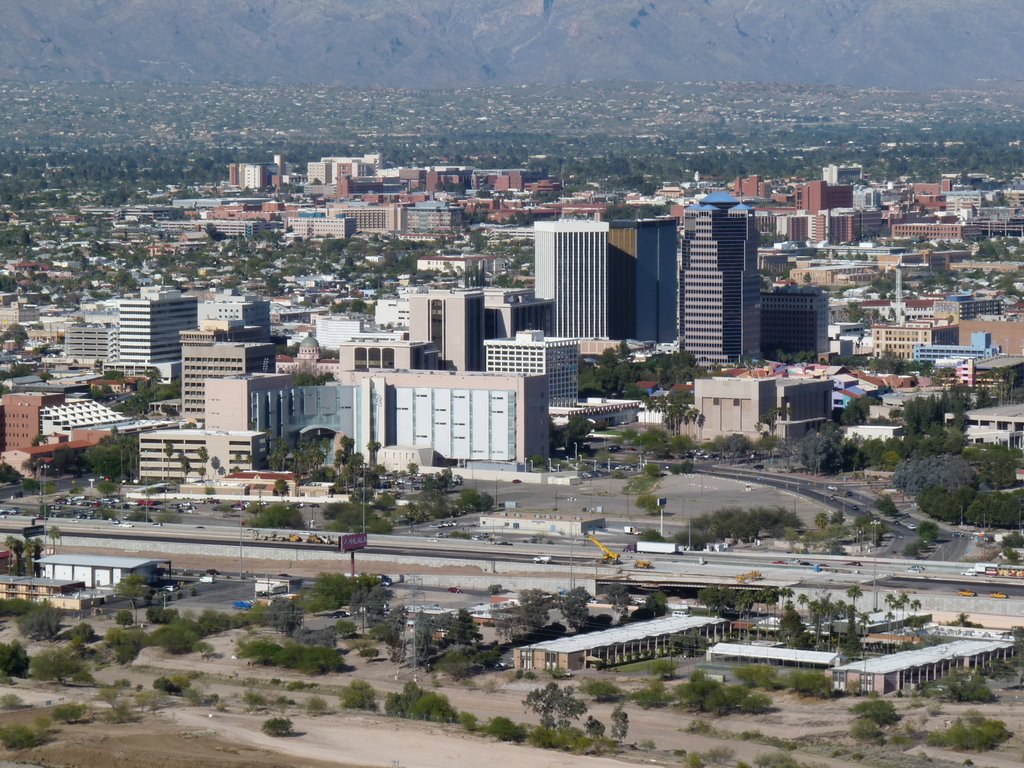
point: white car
(125, 525)
(968, 573)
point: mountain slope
(447, 43)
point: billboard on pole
(350, 542)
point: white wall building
(531, 353)
(149, 326)
(249, 308)
(332, 330)
(571, 262)
(75, 414)
(391, 313)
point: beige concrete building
(900, 340)
(834, 274)
(462, 416)
(642, 640)
(738, 406)
(529, 522)
(216, 331)
(453, 321)
(215, 361)
(174, 454)
(378, 219)
(228, 399)
(530, 352)
(386, 351)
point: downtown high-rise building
(719, 283)
(613, 280)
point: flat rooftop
(99, 561)
(775, 653)
(655, 628)
(922, 656)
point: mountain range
(901, 44)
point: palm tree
(168, 453)
(16, 546)
(855, 593)
(821, 521)
(204, 458)
(53, 534)
(33, 551)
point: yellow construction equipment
(609, 556)
(646, 564)
(294, 537)
(743, 578)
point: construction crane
(609, 556)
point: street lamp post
(874, 561)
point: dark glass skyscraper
(719, 284)
(643, 267)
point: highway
(836, 573)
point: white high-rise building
(531, 353)
(334, 330)
(149, 326)
(250, 309)
(571, 264)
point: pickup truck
(545, 559)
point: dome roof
(309, 342)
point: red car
(455, 590)
(778, 562)
(855, 563)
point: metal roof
(921, 656)
(98, 561)
(775, 653)
(667, 625)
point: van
(680, 613)
(207, 579)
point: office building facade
(720, 288)
(215, 361)
(149, 326)
(507, 311)
(453, 321)
(249, 309)
(571, 266)
(643, 280)
(529, 352)
(794, 319)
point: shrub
(810, 683)
(11, 701)
(124, 618)
(253, 700)
(14, 661)
(663, 668)
(18, 736)
(177, 638)
(41, 623)
(278, 726)
(651, 695)
(417, 704)
(865, 729)
(468, 721)
(600, 690)
(878, 711)
(316, 706)
(125, 643)
(81, 633)
(359, 694)
(503, 729)
(59, 665)
(972, 733)
(69, 713)
(758, 676)
(157, 615)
